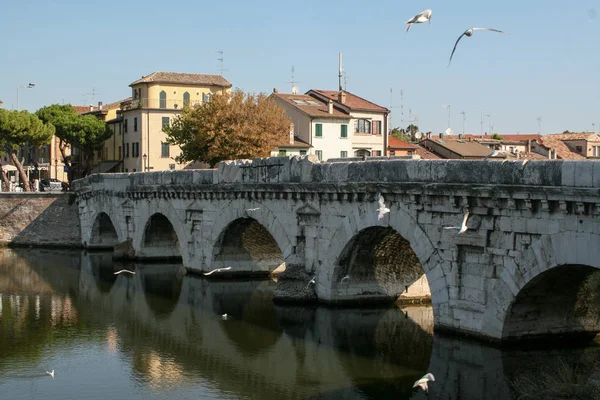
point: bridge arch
(553, 288)
(249, 238)
(397, 239)
(105, 227)
(162, 235)
(104, 233)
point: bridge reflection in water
(159, 333)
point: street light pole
(29, 86)
(464, 115)
(481, 122)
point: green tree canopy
(496, 136)
(230, 126)
(18, 128)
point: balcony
(165, 104)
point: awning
(8, 167)
(105, 167)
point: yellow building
(156, 99)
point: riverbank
(39, 220)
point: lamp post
(29, 86)
(145, 159)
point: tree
(18, 128)
(496, 136)
(412, 130)
(230, 126)
(400, 134)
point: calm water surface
(159, 335)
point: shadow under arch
(104, 234)
(247, 247)
(103, 270)
(160, 241)
(563, 300)
(162, 287)
(379, 265)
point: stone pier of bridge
(526, 266)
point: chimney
(460, 136)
(99, 105)
(550, 154)
(91, 107)
(342, 97)
(330, 107)
(275, 90)
(441, 135)
(529, 145)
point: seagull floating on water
(126, 271)
(313, 281)
(422, 383)
(50, 373)
(382, 210)
(463, 228)
(469, 33)
(424, 16)
(217, 270)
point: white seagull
(313, 281)
(422, 383)
(469, 33)
(463, 228)
(382, 210)
(126, 271)
(253, 209)
(217, 270)
(344, 278)
(424, 16)
(50, 373)
(224, 317)
(494, 153)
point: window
(393, 152)
(125, 126)
(120, 154)
(376, 153)
(362, 126)
(596, 151)
(282, 153)
(343, 154)
(362, 153)
(165, 122)
(134, 170)
(578, 148)
(344, 131)
(186, 99)
(302, 152)
(376, 127)
(126, 150)
(164, 149)
(135, 124)
(205, 97)
(171, 166)
(126, 169)
(319, 130)
(319, 154)
(162, 99)
(135, 149)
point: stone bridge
(525, 267)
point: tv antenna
(464, 118)
(345, 81)
(93, 94)
(539, 121)
(221, 61)
(294, 81)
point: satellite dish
(295, 89)
(449, 132)
(418, 135)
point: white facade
(331, 144)
(371, 142)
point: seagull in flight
(424, 16)
(50, 373)
(252, 209)
(382, 210)
(224, 317)
(217, 270)
(344, 278)
(463, 228)
(469, 33)
(422, 383)
(494, 153)
(125, 271)
(313, 281)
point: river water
(160, 334)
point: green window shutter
(319, 130)
(344, 131)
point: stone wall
(39, 219)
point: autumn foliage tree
(230, 126)
(20, 128)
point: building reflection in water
(167, 327)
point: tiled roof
(395, 143)
(508, 137)
(314, 109)
(81, 109)
(531, 156)
(298, 144)
(563, 152)
(463, 148)
(425, 154)
(589, 136)
(184, 79)
(353, 102)
(105, 107)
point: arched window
(186, 99)
(163, 99)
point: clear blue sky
(548, 66)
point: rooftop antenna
(340, 73)
(221, 61)
(93, 94)
(464, 117)
(345, 81)
(401, 106)
(539, 121)
(293, 81)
